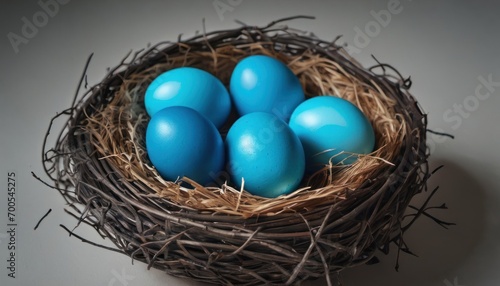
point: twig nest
(337, 218)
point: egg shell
(190, 87)
(182, 142)
(263, 150)
(328, 125)
(262, 83)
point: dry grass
(118, 133)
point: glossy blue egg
(182, 142)
(190, 87)
(328, 126)
(262, 149)
(261, 83)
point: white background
(447, 47)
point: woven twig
(340, 217)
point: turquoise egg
(328, 126)
(262, 149)
(182, 142)
(190, 87)
(261, 83)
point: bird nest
(340, 217)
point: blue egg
(264, 151)
(182, 142)
(328, 126)
(261, 83)
(190, 87)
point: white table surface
(449, 48)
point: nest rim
(144, 211)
